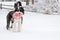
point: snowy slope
(35, 27)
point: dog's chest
(17, 15)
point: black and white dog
(18, 7)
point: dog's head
(17, 6)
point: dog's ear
(15, 5)
(22, 9)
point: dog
(18, 7)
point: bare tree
(0, 5)
(27, 2)
(32, 1)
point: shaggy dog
(9, 15)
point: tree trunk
(32, 1)
(27, 2)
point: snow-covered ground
(35, 26)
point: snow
(35, 26)
(47, 6)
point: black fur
(9, 15)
